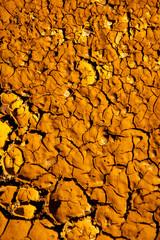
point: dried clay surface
(79, 119)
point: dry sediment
(79, 119)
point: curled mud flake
(68, 201)
(142, 200)
(51, 140)
(119, 203)
(4, 131)
(24, 211)
(90, 135)
(127, 122)
(109, 220)
(30, 171)
(106, 71)
(123, 154)
(57, 36)
(46, 181)
(12, 161)
(83, 227)
(46, 123)
(104, 164)
(91, 179)
(6, 196)
(31, 141)
(23, 117)
(62, 168)
(64, 147)
(134, 216)
(4, 110)
(16, 229)
(17, 105)
(144, 168)
(137, 231)
(40, 232)
(45, 158)
(98, 195)
(118, 179)
(88, 74)
(75, 158)
(27, 195)
(75, 134)
(82, 34)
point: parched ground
(79, 119)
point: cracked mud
(79, 119)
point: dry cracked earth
(79, 119)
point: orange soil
(79, 119)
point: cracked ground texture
(79, 119)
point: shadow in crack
(53, 206)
